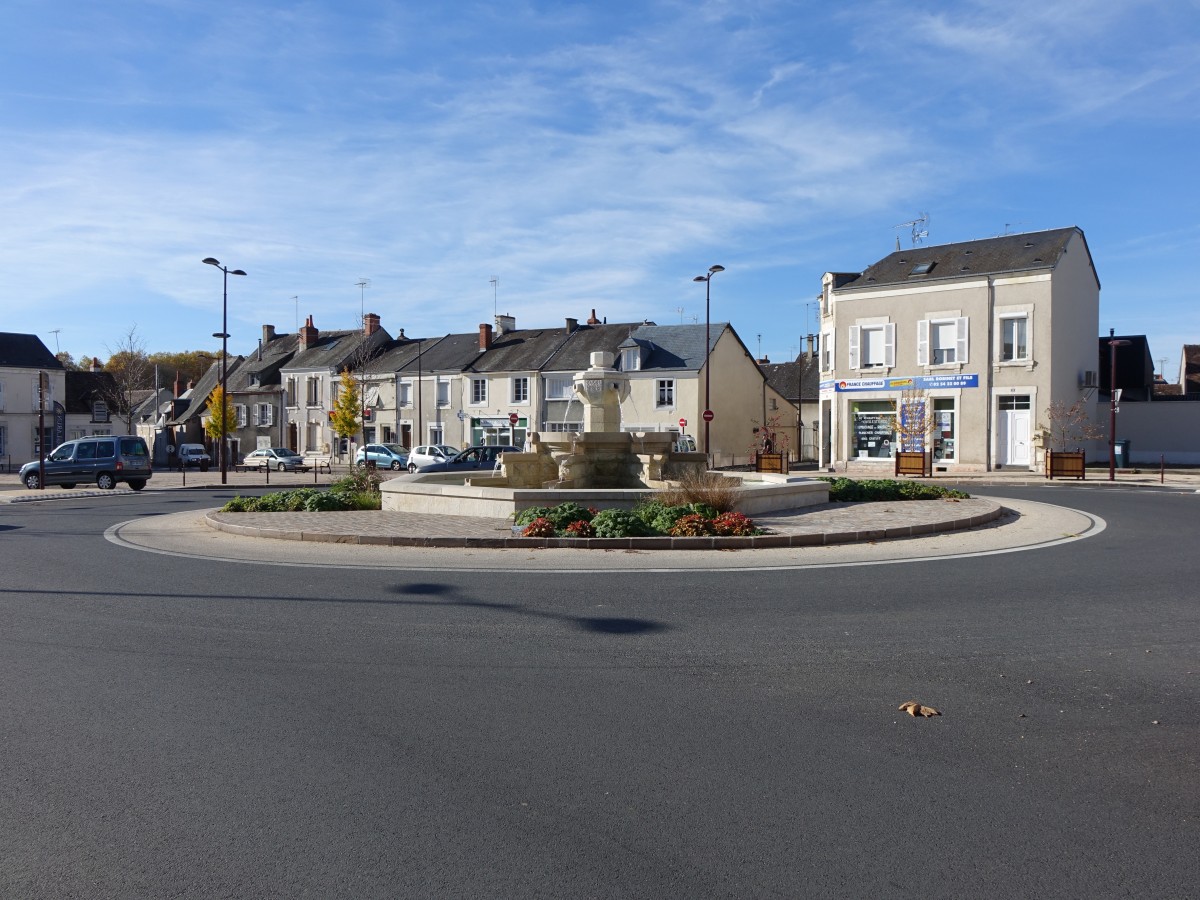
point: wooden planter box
(914, 462)
(771, 462)
(1065, 464)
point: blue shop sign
(919, 383)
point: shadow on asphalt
(617, 625)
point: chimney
(308, 334)
(572, 324)
(268, 334)
(592, 320)
(485, 337)
(370, 324)
(178, 384)
(813, 348)
(765, 361)
(505, 324)
(400, 336)
(95, 366)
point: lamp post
(707, 279)
(223, 334)
(1113, 344)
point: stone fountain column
(601, 388)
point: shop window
(874, 429)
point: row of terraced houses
(991, 334)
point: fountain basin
(492, 497)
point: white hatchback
(429, 454)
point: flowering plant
(539, 527)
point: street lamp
(707, 279)
(223, 334)
(1113, 344)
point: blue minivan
(104, 460)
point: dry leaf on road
(913, 708)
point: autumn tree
(221, 419)
(915, 422)
(346, 417)
(1070, 425)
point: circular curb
(755, 542)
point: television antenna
(362, 284)
(296, 300)
(494, 281)
(679, 309)
(55, 331)
(1008, 226)
(919, 226)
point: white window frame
(437, 433)
(520, 390)
(239, 410)
(290, 386)
(312, 392)
(443, 392)
(559, 387)
(664, 386)
(827, 355)
(855, 343)
(479, 391)
(928, 346)
(1002, 318)
(264, 414)
(631, 359)
(404, 394)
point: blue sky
(587, 155)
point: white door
(1013, 424)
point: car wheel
(280, 467)
(136, 484)
(67, 486)
(395, 465)
(105, 481)
(412, 467)
(32, 481)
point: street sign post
(683, 423)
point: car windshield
(283, 451)
(396, 448)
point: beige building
(984, 335)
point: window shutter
(961, 348)
(889, 345)
(241, 415)
(827, 343)
(923, 342)
(852, 346)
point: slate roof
(675, 346)
(25, 351)
(1033, 251)
(576, 354)
(451, 353)
(797, 380)
(521, 350)
(334, 349)
(83, 388)
(197, 397)
(275, 355)
(398, 354)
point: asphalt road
(179, 727)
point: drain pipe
(989, 462)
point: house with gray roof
(986, 338)
(257, 394)
(22, 358)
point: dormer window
(922, 269)
(631, 359)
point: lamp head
(209, 261)
(712, 270)
(237, 272)
(700, 278)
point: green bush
(648, 510)
(847, 490)
(703, 509)
(306, 500)
(566, 513)
(665, 520)
(612, 523)
(525, 516)
(359, 480)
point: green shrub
(665, 520)
(648, 510)
(525, 516)
(566, 513)
(847, 490)
(238, 504)
(692, 525)
(540, 527)
(703, 509)
(612, 523)
(359, 480)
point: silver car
(429, 454)
(279, 458)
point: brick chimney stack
(592, 320)
(485, 337)
(572, 324)
(178, 384)
(308, 334)
(268, 334)
(370, 324)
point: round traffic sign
(708, 415)
(512, 418)
(683, 423)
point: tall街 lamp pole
(223, 334)
(707, 415)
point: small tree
(220, 410)
(916, 423)
(346, 417)
(1070, 425)
(769, 439)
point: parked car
(429, 454)
(105, 460)
(473, 459)
(386, 456)
(194, 455)
(279, 458)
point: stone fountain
(601, 466)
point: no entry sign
(512, 418)
(708, 415)
(683, 423)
